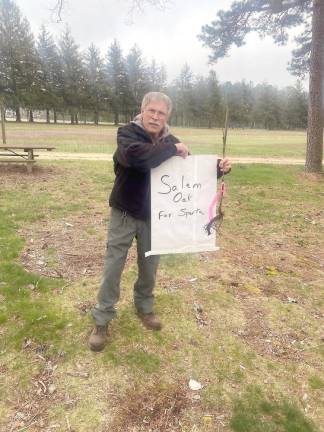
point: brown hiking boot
(150, 321)
(98, 338)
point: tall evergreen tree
(268, 109)
(157, 76)
(239, 98)
(214, 100)
(118, 81)
(296, 102)
(163, 78)
(72, 74)
(247, 102)
(274, 17)
(185, 96)
(207, 101)
(96, 87)
(138, 77)
(50, 74)
(18, 59)
(232, 100)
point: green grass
(25, 306)
(256, 354)
(316, 382)
(254, 413)
(102, 139)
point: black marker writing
(184, 212)
(184, 184)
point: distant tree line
(57, 78)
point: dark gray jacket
(136, 154)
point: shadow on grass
(254, 413)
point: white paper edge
(187, 250)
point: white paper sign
(181, 193)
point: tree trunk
(30, 116)
(55, 116)
(48, 116)
(116, 115)
(72, 118)
(18, 115)
(96, 118)
(314, 151)
(76, 118)
(3, 128)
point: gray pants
(121, 231)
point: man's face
(155, 116)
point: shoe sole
(96, 348)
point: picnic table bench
(21, 154)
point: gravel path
(108, 157)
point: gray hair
(156, 97)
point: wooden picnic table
(21, 154)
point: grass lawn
(245, 322)
(97, 139)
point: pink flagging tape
(215, 201)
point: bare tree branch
(58, 9)
(135, 5)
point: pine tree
(207, 109)
(185, 96)
(138, 77)
(201, 107)
(50, 74)
(238, 97)
(157, 76)
(96, 87)
(275, 17)
(214, 100)
(163, 78)
(72, 73)
(118, 81)
(18, 59)
(268, 109)
(296, 103)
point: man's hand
(182, 150)
(225, 165)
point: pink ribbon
(215, 201)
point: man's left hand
(225, 165)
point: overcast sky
(169, 36)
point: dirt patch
(69, 248)
(267, 341)
(14, 175)
(64, 248)
(30, 409)
(275, 255)
(161, 407)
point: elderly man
(141, 145)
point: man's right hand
(182, 150)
